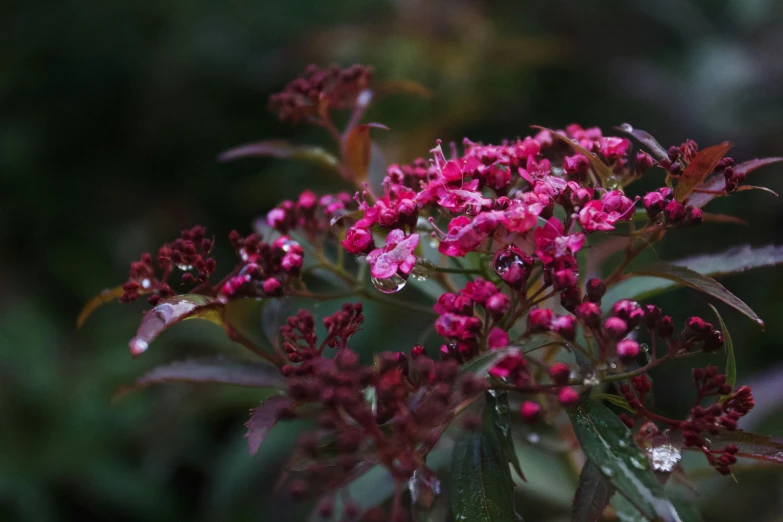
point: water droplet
(645, 347)
(146, 283)
(626, 127)
(390, 285)
(606, 470)
(434, 243)
(422, 270)
(533, 438)
(623, 444)
(371, 398)
(423, 486)
(243, 254)
(138, 346)
(288, 244)
(612, 183)
(591, 380)
(664, 457)
(638, 464)
(185, 268)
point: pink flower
(521, 217)
(396, 256)
(357, 241)
(613, 147)
(466, 235)
(617, 205)
(552, 244)
(457, 326)
(592, 217)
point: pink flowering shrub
(510, 241)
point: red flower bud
(559, 372)
(568, 397)
(595, 289)
(627, 349)
(530, 411)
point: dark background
(112, 113)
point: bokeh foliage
(113, 113)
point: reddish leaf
(357, 148)
(283, 150)
(743, 188)
(751, 445)
(699, 168)
(723, 218)
(404, 87)
(718, 183)
(173, 310)
(218, 370)
(656, 149)
(262, 419)
(687, 277)
(599, 167)
(106, 296)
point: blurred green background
(112, 114)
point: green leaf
(592, 495)
(656, 149)
(218, 370)
(699, 168)
(106, 296)
(681, 275)
(600, 168)
(751, 445)
(262, 419)
(717, 183)
(731, 363)
(482, 487)
(686, 506)
(481, 364)
(608, 443)
(617, 400)
(172, 310)
(282, 150)
(497, 401)
(625, 511)
(734, 260)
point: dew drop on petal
(389, 285)
(664, 457)
(138, 346)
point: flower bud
(714, 341)
(665, 327)
(563, 279)
(539, 320)
(273, 287)
(565, 327)
(357, 241)
(651, 315)
(595, 289)
(292, 263)
(616, 327)
(498, 305)
(643, 162)
(559, 372)
(627, 349)
(570, 298)
(568, 397)
(417, 351)
(590, 314)
(674, 212)
(530, 411)
(654, 203)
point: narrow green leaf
(283, 150)
(501, 418)
(592, 495)
(731, 363)
(734, 260)
(608, 443)
(625, 511)
(600, 168)
(699, 168)
(686, 506)
(218, 370)
(482, 487)
(617, 400)
(687, 277)
(173, 310)
(751, 445)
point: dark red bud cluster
(188, 254)
(310, 214)
(319, 90)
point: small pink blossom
(618, 206)
(551, 243)
(613, 147)
(592, 217)
(498, 338)
(396, 256)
